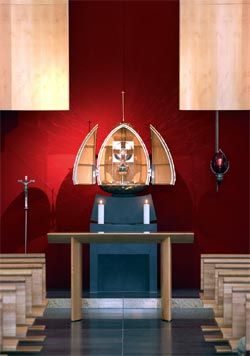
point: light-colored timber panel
(29, 349)
(221, 281)
(20, 300)
(248, 322)
(33, 338)
(33, 2)
(209, 270)
(38, 311)
(206, 328)
(234, 344)
(10, 344)
(230, 275)
(8, 310)
(76, 280)
(5, 56)
(1, 322)
(37, 328)
(218, 256)
(221, 272)
(166, 279)
(219, 322)
(35, 67)
(30, 321)
(22, 255)
(226, 260)
(228, 301)
(224, 255)
(32, 261)
(214, 338)
(239, 311)
(22, 260)
(37, 279)
(214, 55)
(21, 331)
(223, 349)
(228, 349)
(9, 275)
(20, 265)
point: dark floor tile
(136, 335)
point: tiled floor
(130, 332)
(177, 293)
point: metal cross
(26, 183)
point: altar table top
(118, 237)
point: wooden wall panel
(5, 57)
(35, 65)
(214, 55)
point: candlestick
(100, 212)
(146, 212)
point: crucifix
(26, 183)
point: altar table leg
(76, 279)
(166, 279)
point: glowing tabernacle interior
(123, 164)
(123, 161)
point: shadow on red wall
(12, 223)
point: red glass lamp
(219, 165)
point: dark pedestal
(123, 267)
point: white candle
(100, 212)
(146, 212)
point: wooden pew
(9, 340)
(237, 328)
(6, 274)
(226, 257)
(239, 311)
(227, 284)
(228, 298)
(248, 323)
(36, 270)
(222, 279)
(218, 308)
(17, 278)
(220, 274)
(210, 265)
(1, 323)
(239, 321)
(27, 259)
(221, 271)
(26, 279)
(9, 309)
(225, 270)
(20, 298)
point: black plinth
(123, 267)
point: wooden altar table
(77, 239)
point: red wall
(43, 145)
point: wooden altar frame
(77, 239)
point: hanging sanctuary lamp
(219, 163)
